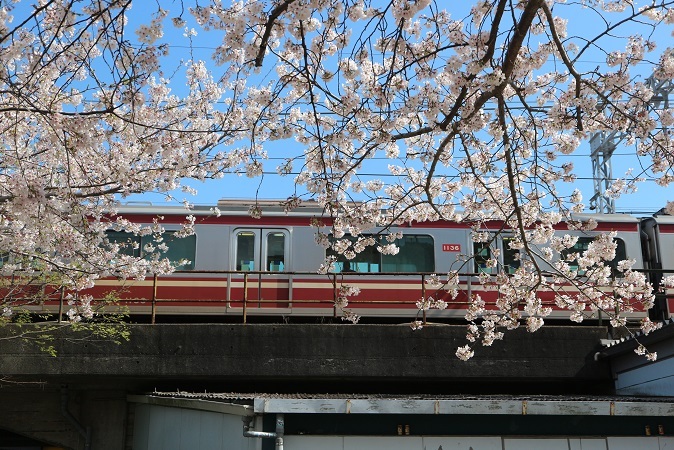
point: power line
(389, 175)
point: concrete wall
(316, 352)
(36, 411)
(38, 416)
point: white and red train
(242, 266)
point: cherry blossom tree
(475, 109)
(474, 106)
(87, 118)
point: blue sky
(649, 196)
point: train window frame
(372, 261)
(137, 243)
(261, 250)
(621, 253)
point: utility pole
(604, 143)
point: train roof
(228, 207)
(606, 217)
(269, 206)
(272, 208)
(664, 219)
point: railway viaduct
(83, 393)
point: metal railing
(332, 280)
(301, 292)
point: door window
(245, 250)
(276, 251)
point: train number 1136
(451, 247)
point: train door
(264, 253)
(491, 257)
(657, 246)
(495, 256)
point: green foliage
(45, 330)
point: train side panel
(269, 267)
(213, 251)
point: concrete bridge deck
(286, 352)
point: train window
(129, 244)
(276, 251)
(511, 256)
(21, 262)
(583, 244)
(481, 254)
(183, 248)
(261, 249)
(369, 260)
(416, 254)
(245, 250)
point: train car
(240, 266)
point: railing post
(245, 295)
(423, 296)
(334, 295)
(61, 303)
(154, 298)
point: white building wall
(169, 428)
(473, 443)
(166, 428)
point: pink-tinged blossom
(350, 316)
(417, 325)
(648, 326)
(464, 353)
(389, 249)
(641, 350)
(669, 208)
